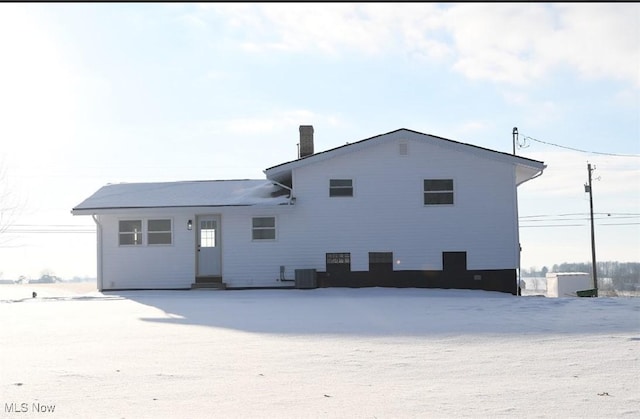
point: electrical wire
(526, 138)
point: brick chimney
(305, 148)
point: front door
(208, 246)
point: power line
(554, 225)
(526, 138)
(582, 214)
(577, 225)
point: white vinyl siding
(481, 220)
(146, 266)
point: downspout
(99, 253)
(519, 250)
(291, 198)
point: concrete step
(209, 280)
(208, 286)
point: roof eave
(286, 168)
(112, 210)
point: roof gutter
(544, 166)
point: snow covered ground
(325, 353)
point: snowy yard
(324, 353)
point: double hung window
(263, 228)
(340, 187)
(438, 192)
(132, 232)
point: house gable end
(283, 172)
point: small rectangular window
(438, 191)
(340, 187)
(454, 261)
(338, 258)
(338, 263)
(159, 232)
(263, 228)
(130, 232)
(207, 233)
(380, 261)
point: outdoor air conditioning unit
(306, 278)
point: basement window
(340, 187)
(263, 228)
(338, 262)
(438, 192)
(158, 232)
(130, 232)
(380, 261)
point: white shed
(567, 284)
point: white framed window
(263, 228)
(438, 191)
(208, 233)
(340, 187)
(159, 231)
(130, 232)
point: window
(338, 263)
(380, 261)
(338, 258)
(159, 232)
(208, 233)
(130, 232)
(454, 261)
(264, 228)
(438, 191)
(340, 187)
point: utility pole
(518, 291)
(588, 188)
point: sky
(92, 94)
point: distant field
(55, 289)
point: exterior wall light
(189, 225)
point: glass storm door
(208, 246)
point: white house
(401, 209)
